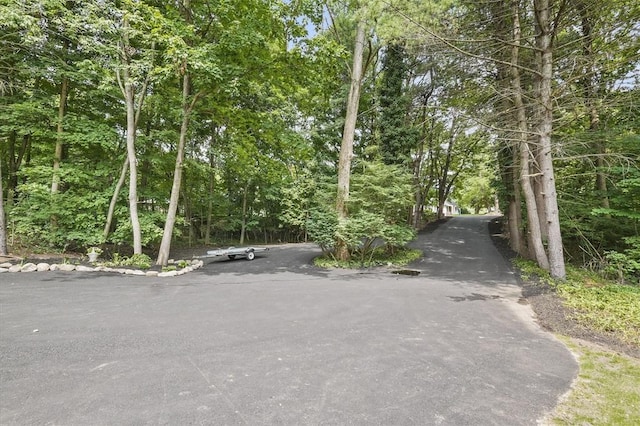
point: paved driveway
(276, 341)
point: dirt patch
(550, 312)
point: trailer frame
(232, 253)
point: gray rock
(168, 274)
(82, 268)
(4, 270)
(43, 267)
(54, 267)
(29, 267)
(67, 267)
(188, 269)
(152, 273)
(5, 265)
(15, 268)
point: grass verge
(606, 392)
(607, 389)
(378, 257)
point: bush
(381, 195)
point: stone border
(68, 267)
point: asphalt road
(277, 341)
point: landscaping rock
(82, 268)
(54, 267)
(168, 274)
(152, 273)
(29, 267)
(43, 267)
(15, 268)
(67, 267)
(4, 270)
(5, 265)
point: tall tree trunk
(129, 98)
(243, 229)
(536, 171)
(12, 178)
(534, 235)
(515, 211)
(114, 197)
(544, 40)
(3, 221)
(133, 117)
(165, 245)
(15, 162)
(57, 157)
(133, 169)
(212, 177)
(348, 135)
(591, 101)
(444, 181)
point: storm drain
(410, 272)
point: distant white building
(450, 208)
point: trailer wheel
(231, 256)
(251, 255)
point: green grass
(379, 257)
(606, 392)
(596, 302)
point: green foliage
(598, 304)
(141, 261)
(397, 137)
(626, 265)
(322, 227)
(57, 220)
(380, 197)
(377, 257)
(151, 224)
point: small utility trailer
(232, 252)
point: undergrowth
(597, 303)
(141, 261)
(379, 257)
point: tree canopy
(142, 124)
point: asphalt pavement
(276, 341)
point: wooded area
(142, 124)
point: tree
(544, 44)
(526, 156)
(187, 108)
(346, 149)
(398, 137)
(3, 220)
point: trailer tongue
(232, 252)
